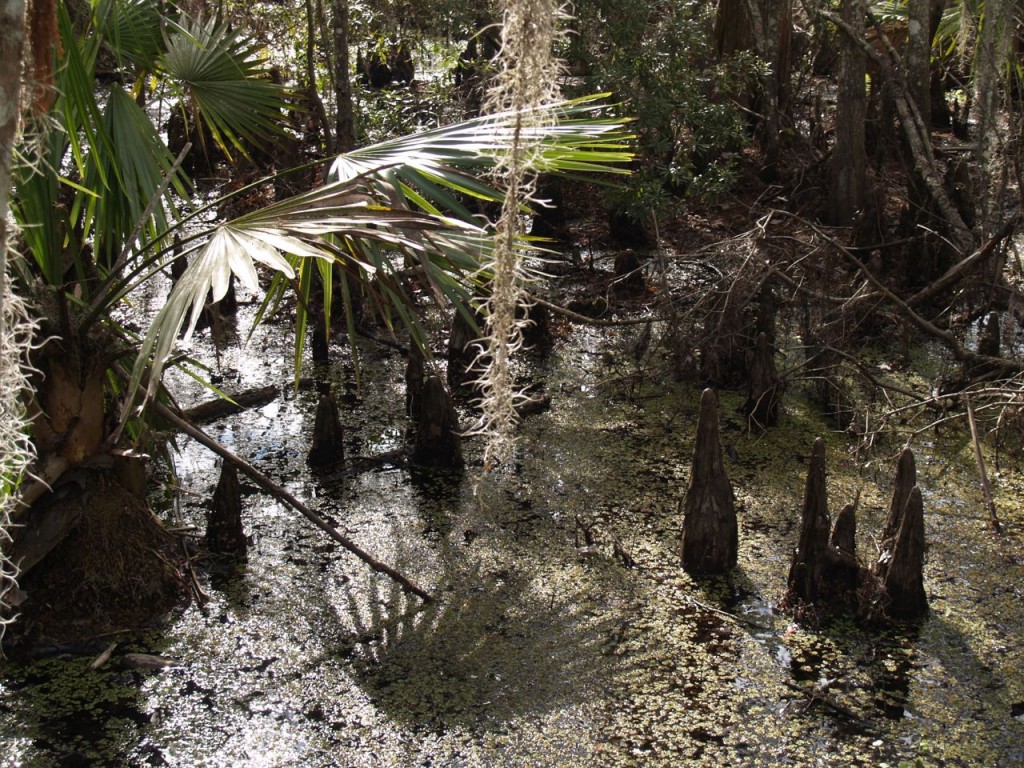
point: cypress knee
(843, 552)
(437, 438)
(906, 479)
(810, 562)
(224, 532)
(904, 579)
(328, 436)
(414, 372)
(710, 531)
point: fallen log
(228, 404)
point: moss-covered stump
(118, 568)
(437, 436)
(328, 447)
(224, 532)
(710, 530)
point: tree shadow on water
(489, 650)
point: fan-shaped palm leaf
(218, 71)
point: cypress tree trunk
(345, 125)
(849, 158)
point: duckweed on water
(536, 653)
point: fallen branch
(985, 487)
(959, 351)
(268, 485)
(956, 272)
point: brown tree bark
(710, 530)
(345, 123)
(848, 186)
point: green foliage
(660, 63)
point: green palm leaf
(218, 72)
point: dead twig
(985, 487)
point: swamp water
(538, 654)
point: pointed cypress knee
(710, 530)
(843, 552)
(904, 579)
(906, 479)
(810, 561)
(437, 438)
(328, 436)
(764, 388)
(224, 532)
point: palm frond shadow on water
(488, 651)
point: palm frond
(220, 73)
(301, 227)
(132, 30)
(386, 208)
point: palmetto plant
(94, 181)
(97, 199)
(386, 209)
